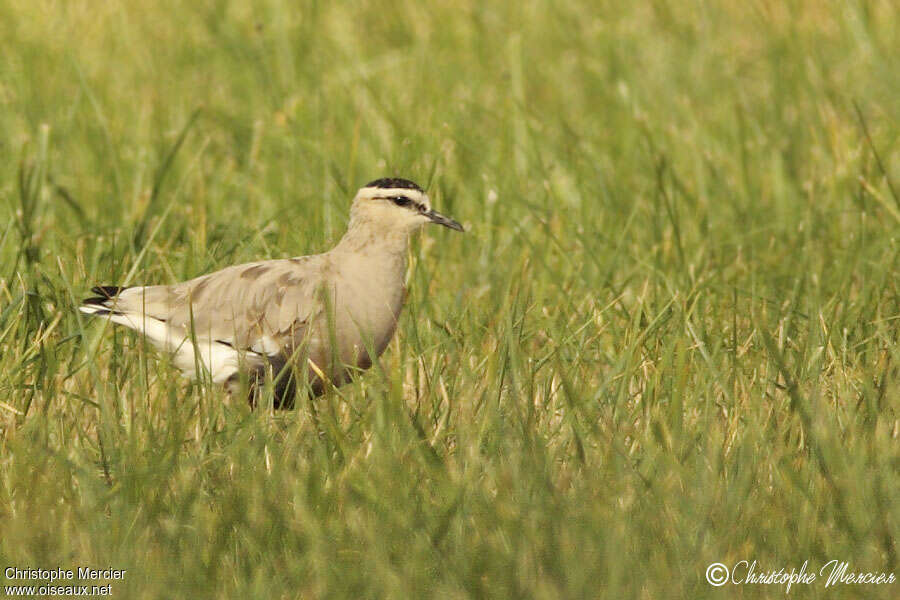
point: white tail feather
(220, 359)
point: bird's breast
(368, 296)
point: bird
(320, 318)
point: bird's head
(396, 205)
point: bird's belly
(367, 324)
(361, 325)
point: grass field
(669, 338)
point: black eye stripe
(405, 202)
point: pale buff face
(392, 208)
(396, 209)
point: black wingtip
(95, 301)
(108, 291)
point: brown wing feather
(253, 305)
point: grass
(670, 337)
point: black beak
(440, 219)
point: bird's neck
(365, 239)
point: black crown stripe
(392, 182)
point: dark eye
(401, 201)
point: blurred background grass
(668, 339)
